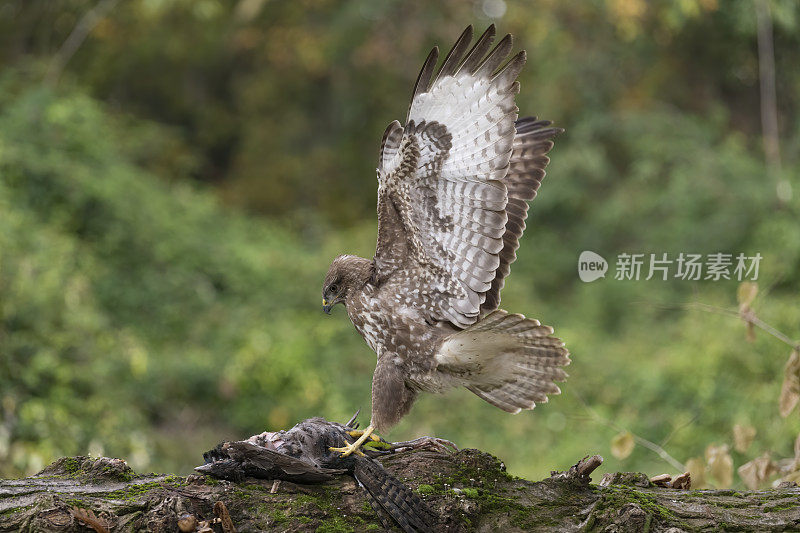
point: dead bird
(307, 453)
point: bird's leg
(354, 448)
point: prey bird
(306, 454)
(453, 190)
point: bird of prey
(304, 454)
(453, 190)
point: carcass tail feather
(391, 498)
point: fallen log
(470, 490)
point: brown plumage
(453, 193)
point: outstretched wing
(525, 173)
(441, 196)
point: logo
(591, 266)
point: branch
(650, 445)
(748, 316)
(766, 75)
(469, 490)
(76, 38)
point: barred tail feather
(508, 360)
(392, 499)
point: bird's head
(346, 273)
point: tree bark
(470, 490)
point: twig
(766, 76)
(749, 317)
(679, 428)
(75, 39)
(661, 452)
(580, 470)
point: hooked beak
(326, 306)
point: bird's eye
(333, 288)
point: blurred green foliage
(168, 210)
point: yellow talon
(347, 450)
(354, 448)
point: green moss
(133, 491)
(785, 506)
(619, 495)
(177, 481)
(242, 494)
(426, 489)
(335, 524)
(469, 493)
(615, 497)
(277, 516)
(70, 465)
(121, 475)
(13, 510)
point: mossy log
(469, 489)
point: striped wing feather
(442, 197)
(525, 173)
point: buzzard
(453, 187)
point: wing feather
(525, 173)
(445, 203)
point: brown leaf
(750, 335)
(661, 480)
(757, 471)
(622, 445)
(87, 517)
(743, 437)
(683, 482)
(224, 517)
(720, 465)
(697, 471)
(797, 452)
(790, 390)
(746, 293)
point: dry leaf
(720, 465)
(757, 471)
(743, 437)
(683, 482)
(697, 471)
(746, 293)
(790, 390)
(87, 517)
(791, 477)
(224, 517)
(622, 445)
(797, 448)
(750, 335)
(661, 480)
(797, 453)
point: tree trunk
(470, 490)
